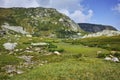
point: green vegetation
(86, 69)
(109, 43)
(76, 62)
(8, 60)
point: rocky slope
(103, 33)
(95, 27)
(39, 21)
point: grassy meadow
(76, 62)
(109, 43)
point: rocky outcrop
(18, 29)
(95, 27)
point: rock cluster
(112, 58)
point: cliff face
(39, 21)
(95, 27)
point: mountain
(95, 27)
(47, 22)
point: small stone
(19, 72)
(56, 52)
(41, 64)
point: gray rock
(18, 29)
(103, 33)
(9, 46)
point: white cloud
(117, 7)
(64, 11)
(78, 16)
(71, 8)
(18, 3)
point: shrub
(52, 46)
(55, 49)
(117, 54)
(4, 77)
(77, 55)
(101, 55)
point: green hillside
(39, 21)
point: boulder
(115, 59)
(9, 46)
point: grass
(109, 43)
(80, 49)
(76, 62)
(85, 69)
(9, 60)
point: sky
(106, 12)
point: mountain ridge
(93, 28)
